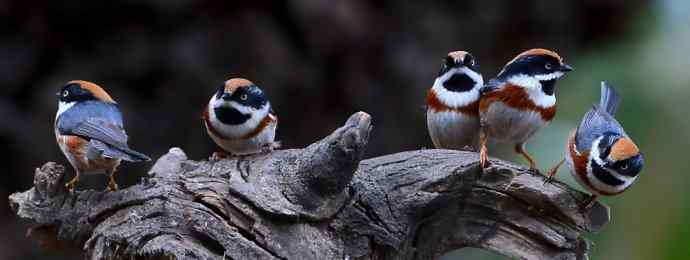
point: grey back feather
(492, 85)
(101, 123)
(599, 119)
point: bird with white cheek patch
(600, 155)
(520, 101)
(89, 131)
(452, 114)
(240, 120)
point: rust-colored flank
(436, 105)
(516, 97)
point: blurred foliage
(319, 61)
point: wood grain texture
(319, 202)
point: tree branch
(319, 202)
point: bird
(453, 103)
(90, 132)
(599, 154)
(240, 120)
(520, 101)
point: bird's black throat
(230, 116)
(459, 82)
(548, 86)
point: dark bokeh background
(320, 61)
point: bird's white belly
(507, 124)
(240, 146)
(452, 130)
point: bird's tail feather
(609, 98)
(102, 149)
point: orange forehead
(458, 55)
(232, 84)
(623, 149)
(95, 90)
(538, 52)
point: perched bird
(240, 120)
(89, 131)
(600, 155)
(452, 114)
(520, 101)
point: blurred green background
(320, 61)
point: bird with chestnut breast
(600, 155)
(90, 132)
(240, 120)
(452, 113)
(520, 101)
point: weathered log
(319, 202)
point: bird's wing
(491, 86)
(94, 120)
(102, 130)
(595, 123)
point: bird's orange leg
(483, 150)
(589, 202)
(552, 172)
(520, 148)
(73, 182)
(112, 185)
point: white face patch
(533, 87)
(458, 99)
(62, 107)
(236, 130)
(599, 185)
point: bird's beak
(566, 68)
(57, 94)
(225, 96)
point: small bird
(89, 131)
(520, 101)
(600, 155)
(452, 114)
(240, 120)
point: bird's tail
(102, 149)
(609, 98)
(134, 156)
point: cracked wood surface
(319, 202)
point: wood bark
(320, 202)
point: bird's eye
(65, 93)
(547, 66)
(244, 97)
(624, 166)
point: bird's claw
(217, 156)
(112, 186)
(71, 184)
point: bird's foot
(552, 172)
(484, 160)
(587, 203)
(269, 147)
(217, 156)
(469, 148)
(72, 183)
(112, 186)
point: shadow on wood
(319, 202)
